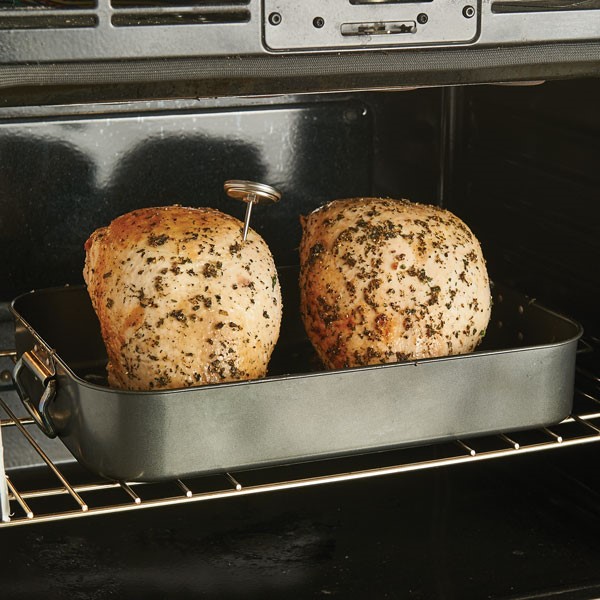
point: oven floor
(513, 529)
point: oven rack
(74, 494)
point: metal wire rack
(71, 492)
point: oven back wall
(529, 182)
(62, 178)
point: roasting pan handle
(45, 375)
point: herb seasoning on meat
(162, 279)
(386, 280)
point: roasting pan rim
(152, 436)
(77, 288)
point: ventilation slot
(526, 6)
(141, 13)
(47, 14)
(45, 5)
(196, 4)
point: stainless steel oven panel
(317, 25)
(37, 32)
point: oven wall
(519, 164)
(68, 170)
(528, 183)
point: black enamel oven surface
(69, 170)
(62, 179)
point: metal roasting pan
(520, 377)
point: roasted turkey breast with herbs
(181, 299)
(386, 280)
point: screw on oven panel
(422, 18)
(318, 22)
(275, 18)
(351, 115)
(468, 12)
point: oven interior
(518, 163)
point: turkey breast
(181, 299)
(386, 280)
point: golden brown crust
(181, 300)
(387, 280)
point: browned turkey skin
(181, 299)
(385, 280)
